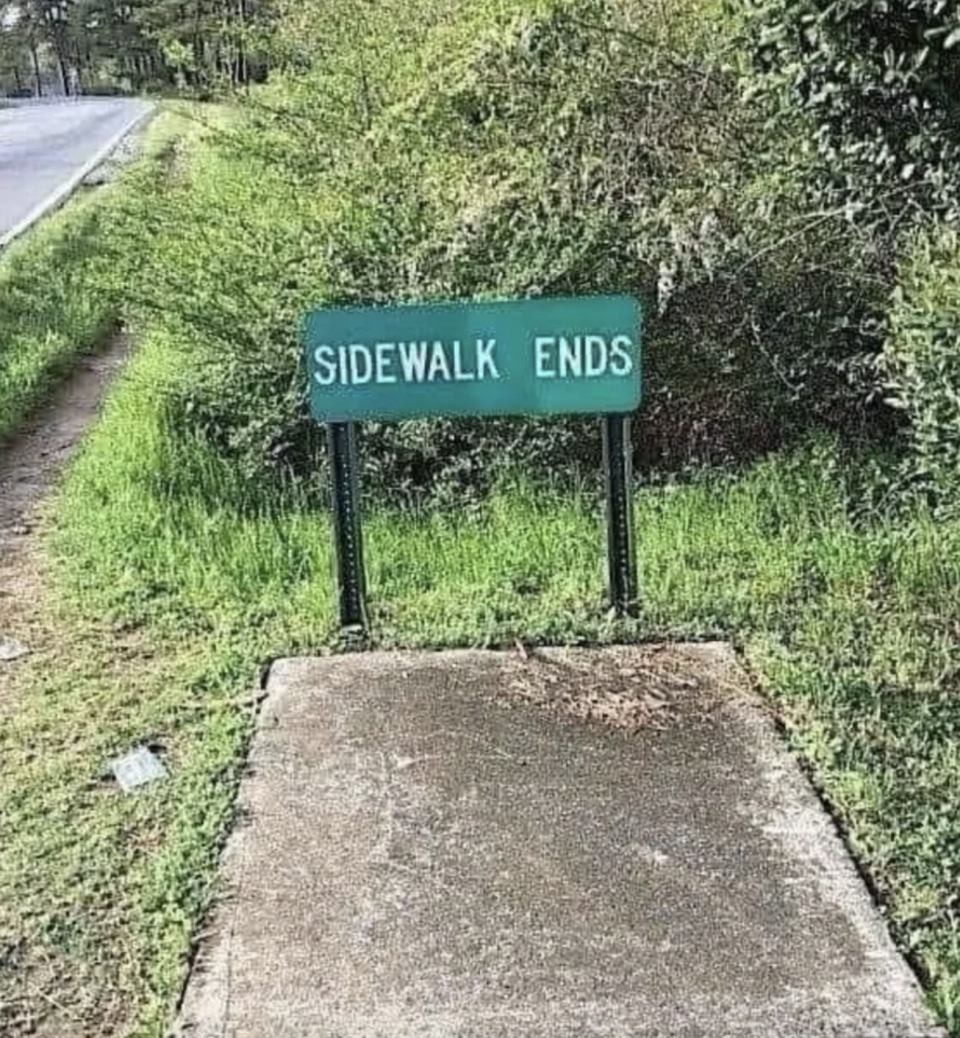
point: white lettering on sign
(541, 346)
(357, 364)
(438, 364)
(459, 374)
(386, 363)
(571, 358)
(326, 373)
(485, 358)
(361, 365)
(595, 356)
(583, 356)
(384, 351)
(621, 363)
(413, 360)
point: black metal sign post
(348, 533)
(621, 551)
(483, 358)
(345, 471)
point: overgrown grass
(197, 580)
(50, 308)
(59, 297)
(183, 576)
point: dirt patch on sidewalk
(416, 861)
(620, 689)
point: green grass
(50, 308)
(59, 291)
(178, 580)
(196, 581)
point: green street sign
(522, 357)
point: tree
(21, 43)
(879, 81)
(206, 41)
(200, 44)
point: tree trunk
(199, 55)
(36, 67)
(242, 43)
(79, 65)
(62, 71)
(59, 52)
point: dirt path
(30, 465)
(49, 989)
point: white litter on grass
(10, 650)
(138, 768)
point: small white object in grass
(138, 768)
(11, 649)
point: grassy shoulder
(59, 295)
(179, 577)
(182, 583)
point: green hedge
(879, 82)
(922, 361)
(508, 149)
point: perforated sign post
(521, 357)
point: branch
(811, 221)
(612, 30)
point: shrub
(477, 158)
(921, 362)
(880, 83)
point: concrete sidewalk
(602, 844)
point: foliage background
(417, 150)
(519, 148)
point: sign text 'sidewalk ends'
(523, 357)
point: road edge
(67, 188)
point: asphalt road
(44, 146)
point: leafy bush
(880, 83)
(922, 361)
(642, 177)
(478, 157)
(870, 90)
